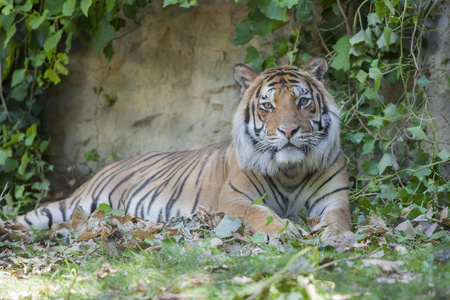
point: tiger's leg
(335, 213)
(235, 201)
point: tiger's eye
(303, 101)
(268, 105)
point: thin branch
(347, 27)
(296, 42)
(1, 95)
(321, 38)
(4, 190)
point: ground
(210, 256)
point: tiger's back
(156, 187)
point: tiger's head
(286, 119)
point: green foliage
(393, 144)
(35, 39)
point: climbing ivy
(35, 40)
(392, 145)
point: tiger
(284, 148)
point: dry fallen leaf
(406, 226)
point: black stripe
(196, 201)
(258, 92)
(323, 171)
(307, 203)
(62, 208)
(49, 216)
(238, 191)
(26, 220)
(323, 198)
(247, 114)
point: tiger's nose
(288, 131)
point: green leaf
(37, 21)
(439, 234)
(376, 121)
(26, 7)
(244, 33)
(62, 69)
(272, 10)
(169, 2)
(51, 43)
(9, 34)
(358, 39)
(361, 76)
(386, 161)
(10, 165)
(227, 226)
(444, 154)
(44, 145)
(251, 55)
(370, 93)
(376, 75)
(255, 24)
(85, 5)
(373, 19)
(389, 37)
(355, 137)
(109, 51)
(422, 174)
(286, 3)
(52, 76)
(423, 81)
(17, 77)
(389, 6)
(20, 92)
(110, 5)
(258, 238)
(23, 165)
(259, 200)
(30, 135)
(68, 7)
(303, 11)
(369, 144)
(8, 8)
(103, 35)
(390, 110)
(4, 154)
(280, 45)
(105, 207)
(269, 220)
(417, 133)
(342, 59)
(370, 166)
(53, 6)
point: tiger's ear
(317, 67)
(243, 76)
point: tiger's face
(286, 119)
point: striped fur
(285, 144)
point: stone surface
(171, 80)
(436, 64)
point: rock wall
(436, 64)
(170, 87)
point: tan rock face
(170, 81)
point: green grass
(211, 273)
